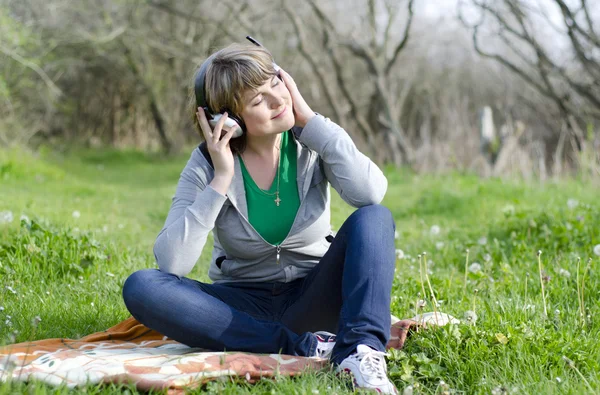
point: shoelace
(373, 363)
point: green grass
(69, 271)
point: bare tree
(571, 80)
(379, 51)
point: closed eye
(274, 84)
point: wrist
(306, 119)
(221, 183)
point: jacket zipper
(277, 247)
(278, 251)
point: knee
(138, 284)
(375, 214)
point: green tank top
(274, 222)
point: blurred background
(496, 88)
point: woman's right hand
(219, 149)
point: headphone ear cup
(232, 121)
(240, 123)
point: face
(268, 109)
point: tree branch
(591, 36)
(297, 24)
(363, 125)
(355, 47)
(195, 18)
(391, 10)
(402, 42)
(55, 90)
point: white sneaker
(368, 368)
(325, 343)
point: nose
(277, 102)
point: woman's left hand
(302, 111)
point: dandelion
(470, 317)
(482, 240)
(597, 249)
(32, 248)
(421, 275)
(439, 245)
(564, 273)
(435, 230)
(76, 214)
(6, 217)
(571, 364)
(475, 267)
(35, 321)
(539, 255)
(408, 390)
(466, 272)
(487, 257)
(399, 253)
(572, 204)
(435, 303)
(421, 304)
(445, 388)
(499, 391)
(508, 209)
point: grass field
(96, 213)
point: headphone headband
(199, 89)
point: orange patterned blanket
(129, 352)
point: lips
(280, 114)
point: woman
(281, 281)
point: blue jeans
(347, 293)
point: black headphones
(213, 116)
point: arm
(352, 174)
(192, 216)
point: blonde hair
(233, 71)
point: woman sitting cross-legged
(282, 281)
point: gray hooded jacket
(326, 154)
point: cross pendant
(277, 200)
